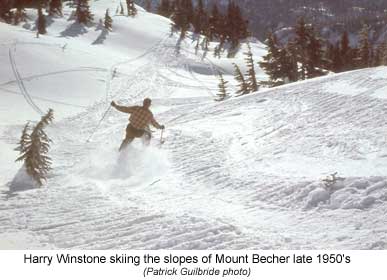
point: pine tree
(222, 95)
(188, 10)
(183, 32)
(364, 52)
(148, 5)
(214, 23)
(271, 61)
(20, 14)
(222, 30)
(301, 45)
(33, 148)
(197, 45)
(25, 141)
(377, 57)
(236, 26)
(55, 8)
(205, 44)
(289, 65)
(82, 12)
(338, 60)
(334, 60)
(206, 41)
(200, 20)
(41, 22)
(181, 17)
(308, 50)
(218, 50)
(132, 10)
(108, 22)
(251, 74)
(164, 9)
(344, 43)
(383, 57)
(315, 54)
(242, 83)
(346, 52)
(172, 7)
(5, 11)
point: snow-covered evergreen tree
(240, 78)
(33, 148)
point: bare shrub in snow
(331, 180)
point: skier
(140, 119)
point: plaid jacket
(140, 117)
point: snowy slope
(244, 173)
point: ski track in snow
(200, 200)
(241, 174)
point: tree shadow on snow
(49, 21)
(21, 182)
(102, 37)
(74, 30)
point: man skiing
(140, 118)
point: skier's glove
(162, 126)
(113, 104)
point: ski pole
(96, 128)
(161, 137)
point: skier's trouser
(131, 133)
